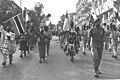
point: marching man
(96, 34)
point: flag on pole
(8, 9)
(118, 22)
(14, 17)
(18, 24)
(93, 13)
(25, 15)
(66, 23)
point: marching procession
(97, 37)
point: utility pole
(20, 3)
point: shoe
(96, 75)
(110, 50)
(4, 63)
(115, 57)
(106, 47)
(43, 59)
(40, 61)
(67, 54)
(71, 60)
(84, 53)
(21, 56)
(98, 72)
(24, 55)
(28, 52)
(10, 62)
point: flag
(115, 10)
(18, 24)
(93, 10)
(93, 13)
(25, 15)
(12, 17)
(8, 9)
(118, 22)
(66, 24)
(27, 18)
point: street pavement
(59, 67)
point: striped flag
(93, 13)
(17, 24)
(15, 20)
(118, 22)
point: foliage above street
(38, 7)
(87, 8)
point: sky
(55, 7)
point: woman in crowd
(7, 44)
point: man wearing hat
(96, 34)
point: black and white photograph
(59, 39)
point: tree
(38, 8)
(87, 8)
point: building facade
(81, 18)
(105, 9)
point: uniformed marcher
(97, 36)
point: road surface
(59, 67)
